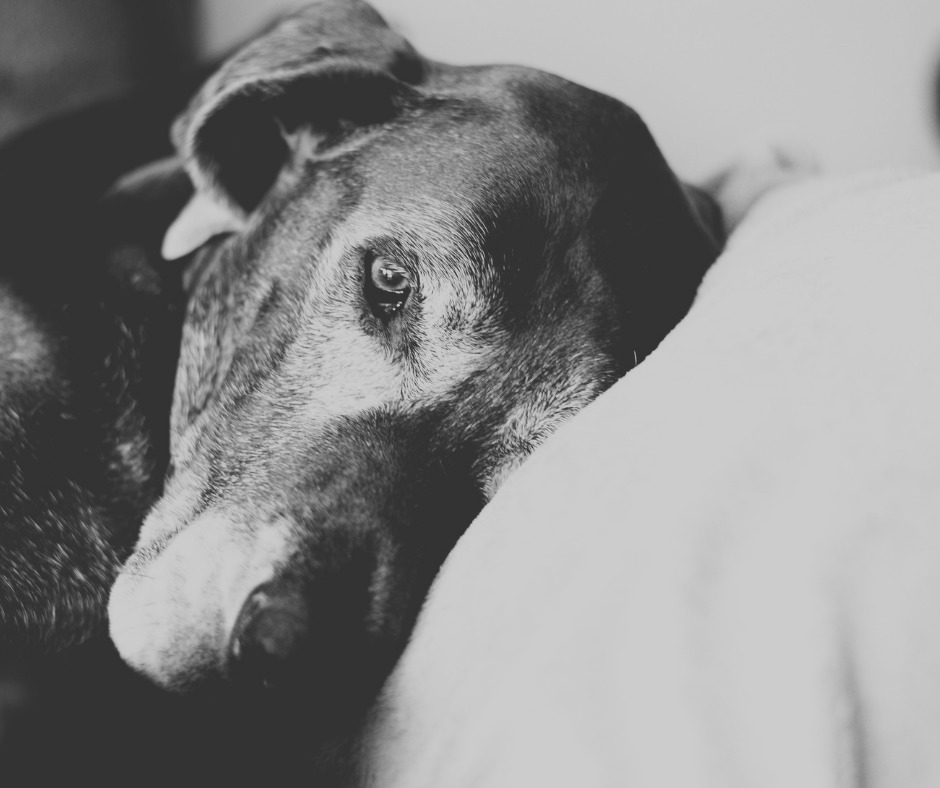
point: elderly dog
(401, 276)
(418, 271)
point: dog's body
(90, 320)
(400, 277)
(89, 336)
(89, 349)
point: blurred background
(856, 81)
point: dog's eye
(388, 286)
(389, 276)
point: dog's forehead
(542, 102)
(495, 129)
(486, 168)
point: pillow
(725, 570)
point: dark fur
(82, 258)
(83, 273)
(83, 444)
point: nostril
(271, 637)
(306, 642)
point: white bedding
(726, 571)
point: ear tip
(200, 220)
(172, 248)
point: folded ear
(660, 235)
(201, 219)
(318, 78)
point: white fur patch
(173, 607)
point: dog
(406, 275)
(397, 277)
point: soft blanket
(725, 571)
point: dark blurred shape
(71, 160)
(164, 34)
(936, 99)
(81, 716)
(59, 55)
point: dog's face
(429, 268)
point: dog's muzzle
(312, 605)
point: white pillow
(725, 571)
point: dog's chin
(175, 602)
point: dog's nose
(302, 633)
(271, 637)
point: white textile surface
(726, 571)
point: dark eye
(388, 286)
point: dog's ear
(314, 80)
(658, 237)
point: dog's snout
(271, 636)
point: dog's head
(416, 272)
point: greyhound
(398, 278)
(404, 276)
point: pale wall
(851, 78)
